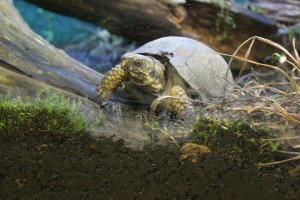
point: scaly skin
(148, 73)
(182, 105)
(110, 82)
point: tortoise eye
(138, 63)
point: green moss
(49, 113)
(233, 137)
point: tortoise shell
(201, 67)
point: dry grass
(284, 103)
(254, 96)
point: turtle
(171, 66)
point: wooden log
(28, 64)
(24, 52)
(282, 11)
(18, 85)
(143, 21)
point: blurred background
(87, 43)
(223, 27)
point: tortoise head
(144, 71)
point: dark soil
(39, 166)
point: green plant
(273, 104)
(224, 20)
(50, 113)
(48, 33)
(233, 137)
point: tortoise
(171, 66)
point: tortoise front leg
(181, 105)
(110, 82)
